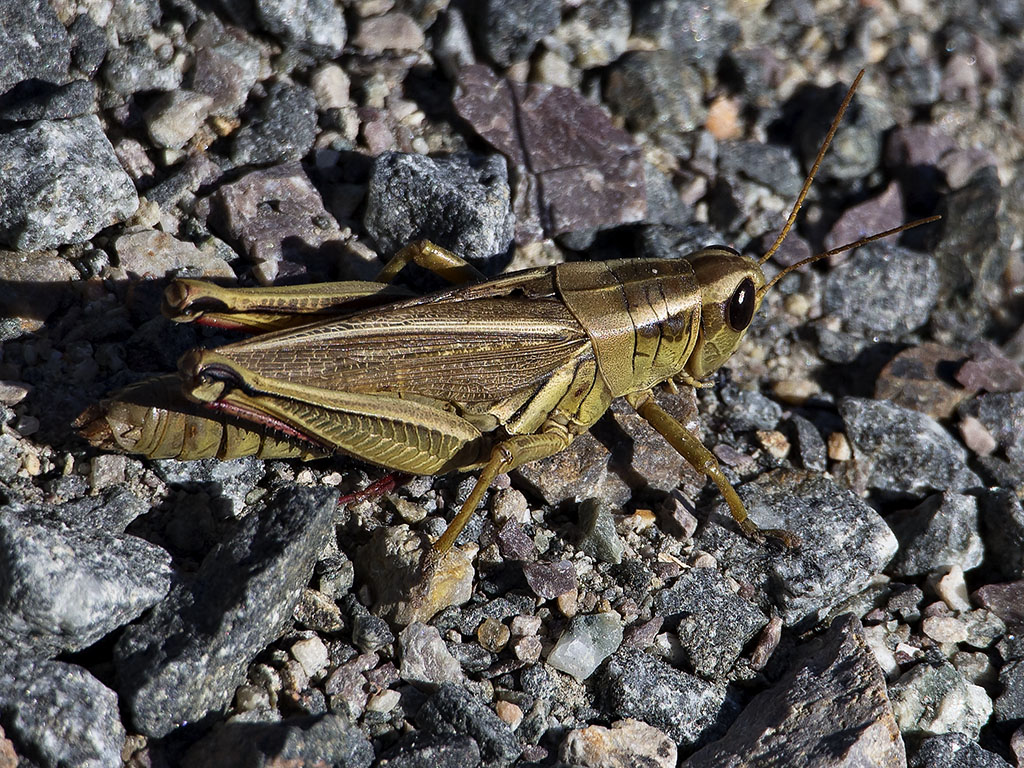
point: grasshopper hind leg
(691, 449)
(432, 257)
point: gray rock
(843, 548)
(229, 482)
(901, 451)
(88, 44)
(315, 26)
(134, 67)
(508, 32)
(929, 700)
(370, 632)
(857, 148)
(34, 42)
(883, 289)
(831, 702)
(327, 739)
(941, 531)
(845, 543)
(954, 750)
(712, 622)
(226, 73)
(586, 643)
(598, 537)
(281, 130)
(63, 184)
(691, 711)
(190, 653)
(460, 202)
(426, 661)
(62, 588)
(59, 714)
(549, 580)
(770, 165)
(454, 711)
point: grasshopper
(488, 375)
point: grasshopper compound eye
(739, 311)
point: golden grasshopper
(490, 374)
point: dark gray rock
(749, 410)
(62, 185)
(1009, 705)
(34, 42)
(883, 289)
(460, 202)
(845, 543)
(832, 702)
(508, 32)
(63, 588)
(692, 32)
(417, 750)
(770, 165)
(712, 622)
(88, 44)
(190, 653)
(810, 444)
(327, 739)
(35, 100)
(282, 129)
(453, 711)
(941, 531)
(1002, 414)
(900, 451)
(857, 148)
(59, 714)
(691, 711)
(954, 750)
(598, 537)
(1003, 530)
(370, 632)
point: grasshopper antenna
(791, 219)
(814, 169)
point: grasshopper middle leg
(704, 461)
(506, 456)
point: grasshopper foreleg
(705, 462)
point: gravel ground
(603, 608)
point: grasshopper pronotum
(490, 374)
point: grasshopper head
(731, 288)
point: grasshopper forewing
(489, 374)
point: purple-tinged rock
(573, 168)
(549, 580)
